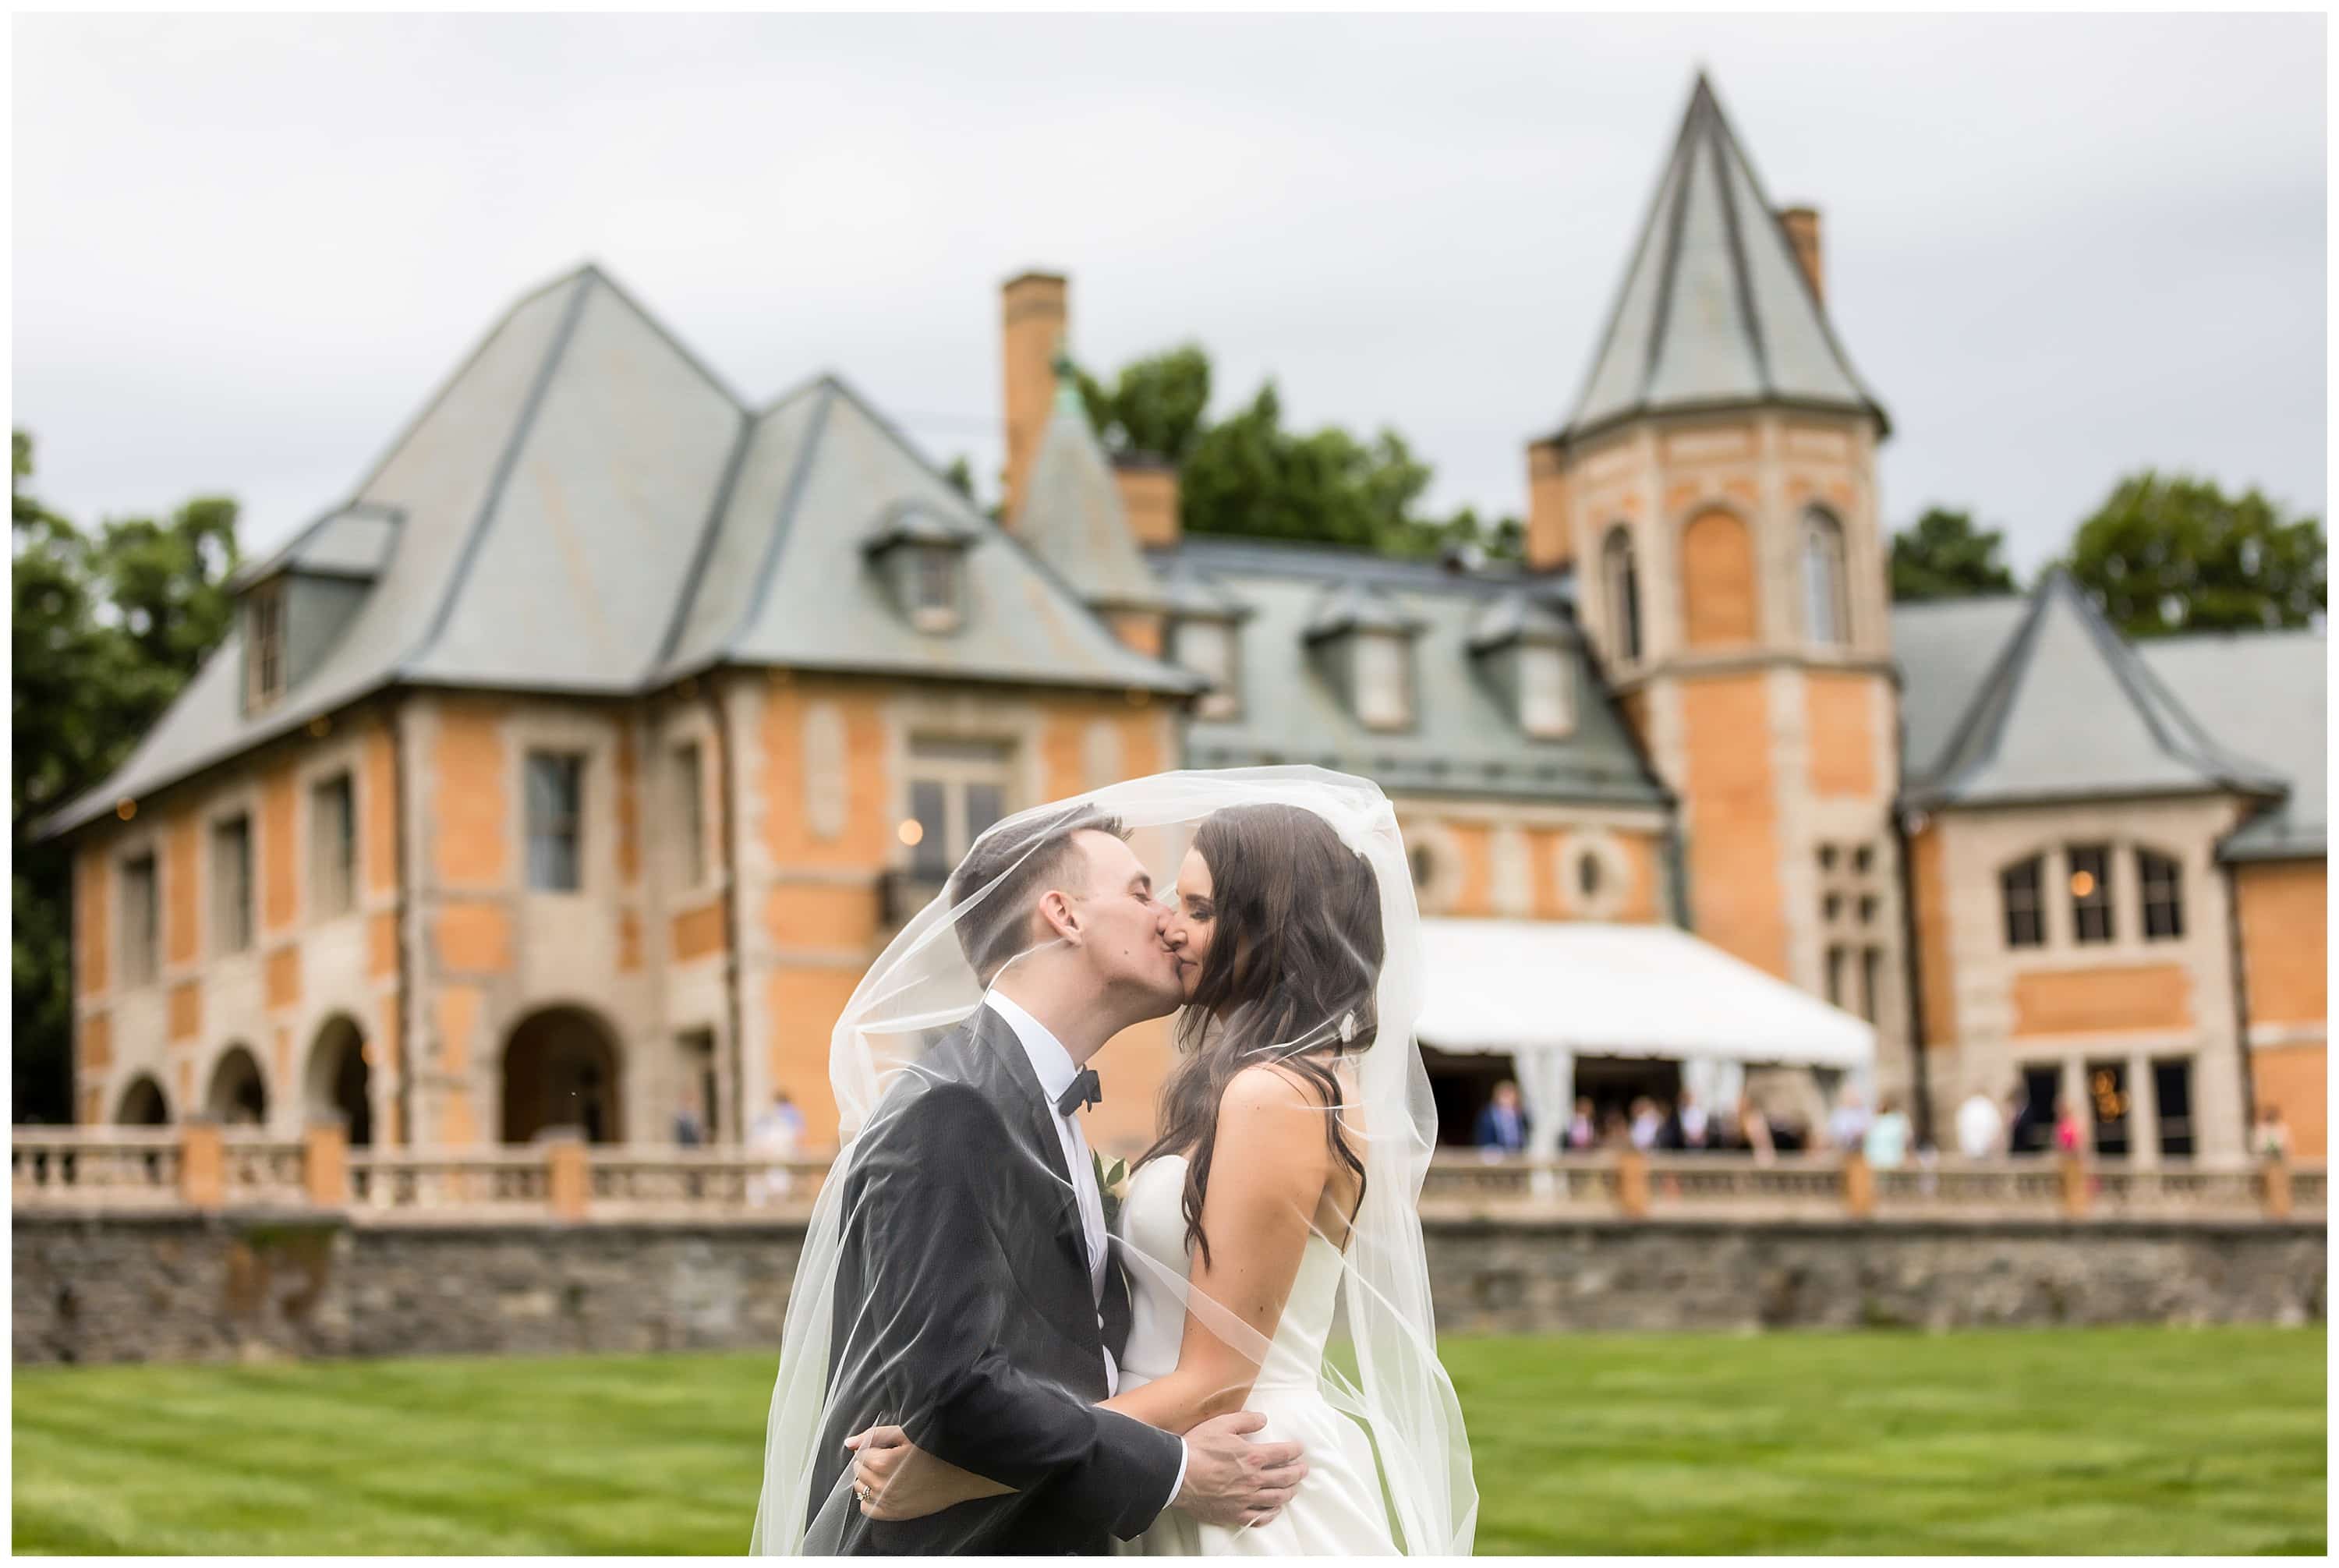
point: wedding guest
(1646, 1124)
(2269, 1139)
(688, 1132)
(1581, 1133)
(1754, 1128)
(1503, 1125)
(1979, 1131)
(1887, 1141)
(2070, 1136)
(1695, 1128)
(1849, 1124)
(776, 1132)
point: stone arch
(563, 1067)
(340, 1079)
(1718, 591)
(1827, 599)
(143, 1104)
(1620, 583)
(238, 1094)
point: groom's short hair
(1010, 866)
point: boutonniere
(1112, 1186)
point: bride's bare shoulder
(1267, 1091)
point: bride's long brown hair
(1289, 976)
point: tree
(2168, 554)
(1942, 556)
(1246, 475)
(105, 632)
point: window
(2163, 881)
(1827, 857)
(1867, 909)
(689, 815)
(932, 570)
(1862, 858)
(1825, 619)
(232, 884)
(1382, 698)
(2091, 891)
(2107, 1097)
(2018, 887)
(556, 814)
(1546, 693)
(1621, 583)
(1587, 875)
(140, 919)
(332, 847)
(1836, 964)
(2172, 1095)
(1871, 984)
(957, 789)
(264, 649)
(1425, 866)
(1208, 649)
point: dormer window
(1547, 695)
(922, 550)
(1208, 649)
(1363, 640)
(263, 613)
(933, 607)
(1384, 691)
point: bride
(1269, 1237)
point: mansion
(571, 771)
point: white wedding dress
(1337, 1510)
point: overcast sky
(2056, 248)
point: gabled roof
(1714, 308)
(1518, 616)
(2264, 695)
(584, 508)
(2069, 710)
(787, 579)
(351, 541)
(1072, 516)
(1464, 738)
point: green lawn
(2064, 1441)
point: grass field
(2068, 1441)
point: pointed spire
(1715, 308)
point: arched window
(1827, 614)
(1621, 581)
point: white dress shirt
(1053, 1066)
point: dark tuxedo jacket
(962, 1312)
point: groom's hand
(1231, 1481)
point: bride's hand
(896, 1479)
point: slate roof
(1073, 514)
(1714, 310)
(2265, 695)
(582, 507)
(1464, 739)
(2063, 709)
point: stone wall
(184, 1288)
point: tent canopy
(1644, 990)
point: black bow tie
(1085, 1090)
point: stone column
(325, 1163)
(568, 1180)
(2143, 1114)
(202, 1165)
(1859, 1186)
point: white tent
(1547, 992)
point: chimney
(1551, 532)
(1149, 497)
(1802, 226)
(1032, 321)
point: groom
(976, 1306)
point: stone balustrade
(203, 1167)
